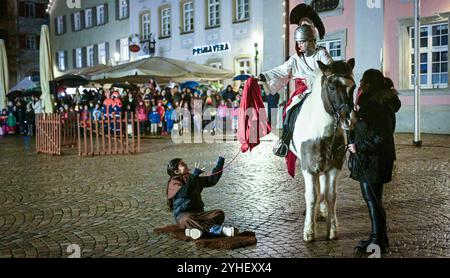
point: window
(59, 25)
(31, 42)
(213, 13)
(102, 54)
(88, 18)
(324, 5)
(217, 65)
(242, 11)
(61, 61)
(124, 49)
(100, 15)
(145, 26)
(334, 47)
(165, 22)
(433, 55)
(90, 56)
(77, 21)
(30, 9)
(188, 17)
(243, 66)
(78, 58)
(123, 9)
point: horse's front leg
(312, 203)
(323, 179)
(331, 196)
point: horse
(319, 141)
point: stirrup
(281, 149)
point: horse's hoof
(308, 238)
(332, 236)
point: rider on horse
(300, 67)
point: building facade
(20, 26)
(91, 33)
(244, 36)
(378, 34)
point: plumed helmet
(304, 33)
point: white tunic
(295, 68)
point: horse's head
(338, 86)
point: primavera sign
(212, 48)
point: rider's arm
(278, 77)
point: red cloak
(253, 122)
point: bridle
(336, 111)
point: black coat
(374, 137)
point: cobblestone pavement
(110, 205)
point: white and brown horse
(319, 141)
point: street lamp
(152, 46)
(256, 58)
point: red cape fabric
(291, 159)
(253, 122)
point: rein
(337, 117)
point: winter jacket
(184, 192)
(154, 117)
(374, 137)
(169, 116)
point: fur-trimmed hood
(383, 96)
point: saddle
(291, 115)
(281, 149)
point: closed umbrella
(4, 77)
(46, 69)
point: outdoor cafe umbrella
(46, 70)
(161, 69)
(241, 77)
(4, 77)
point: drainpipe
(417, 138)
(286, 41)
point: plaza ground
(109, 206)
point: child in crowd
(97, 112)
(161, 111)
(11, 122)
(3, 122)
(170, 118)
(235, 116)
(186, 115)
(154, 119)
(185, 201)
(30, 120)
(142, 116)
(222, 114)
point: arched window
(145, 26)
(165, 20)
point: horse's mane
(316, 78)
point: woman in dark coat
(373, 150)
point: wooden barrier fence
(48, 134)
(113, 135)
